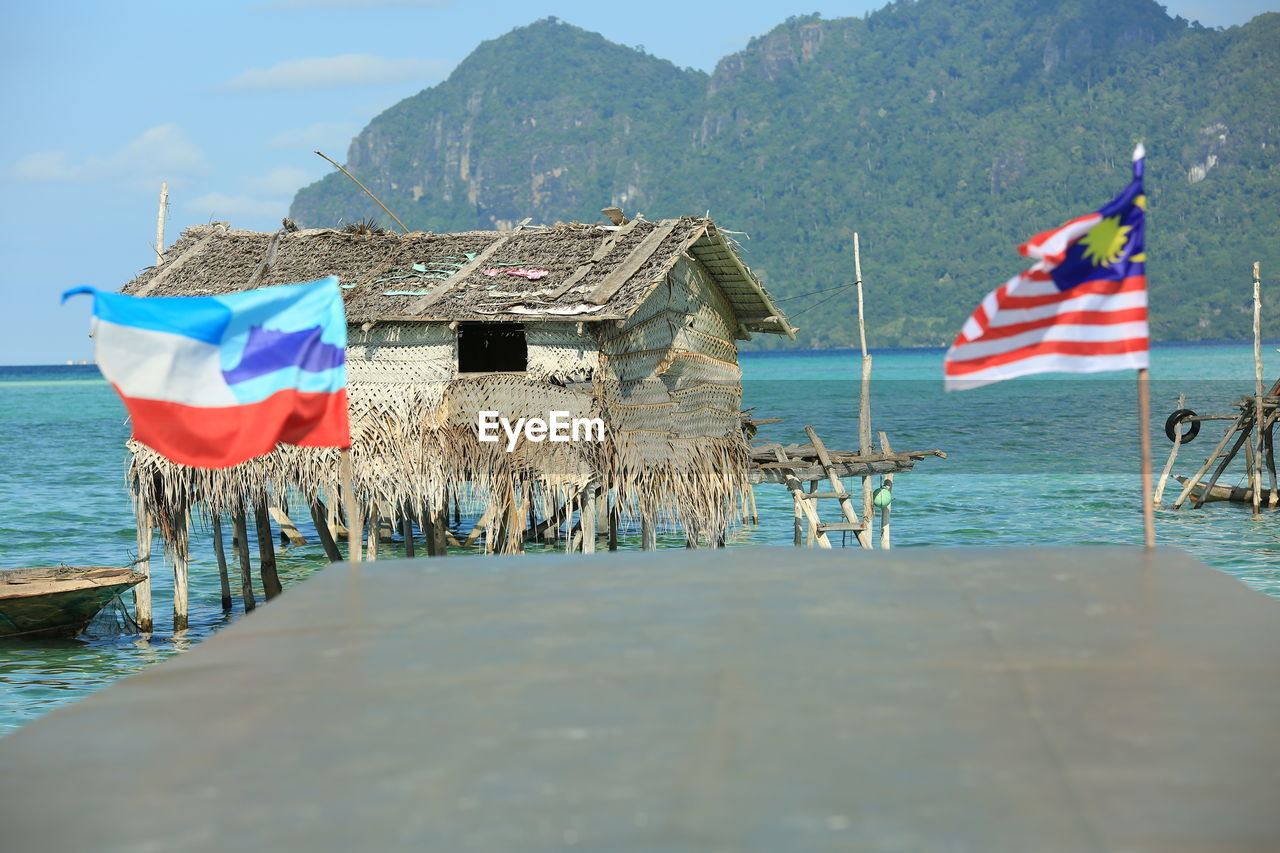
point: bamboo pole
(366, 190)
(142, 591)
(1144, 443)
(164, 204)
(1259, 411)
(887, 482)
(220, 552)
(1173, 454)
(240, 535)
(864, 395)
(266, 549)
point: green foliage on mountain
(944, 132)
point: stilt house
(634, 323)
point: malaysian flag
(1081, 308)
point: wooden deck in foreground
(739, 699)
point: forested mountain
(943, 131)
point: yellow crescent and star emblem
(1104, 243)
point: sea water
(1036, 461)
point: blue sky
(228, 101)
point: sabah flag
(213, 381)
(1082, 308)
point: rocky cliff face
(549, 121)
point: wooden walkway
(739, 699)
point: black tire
(1171, 426)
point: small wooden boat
(57, 601)
(1219, 492)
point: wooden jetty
(803, 467)
(1252, 429)
(57, 601)
(1245, 432)
(1046, 699)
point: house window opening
(492, 348)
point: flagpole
(1144, 437)
(355, 523)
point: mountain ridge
(944, 133)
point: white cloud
(321, 135)
(43, 166)
(162, 153)
(220, 206)
(282, 181)
(349, 69)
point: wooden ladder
(852, 522)
(1240, 430)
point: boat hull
(44, 603)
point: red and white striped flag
(1081, 308)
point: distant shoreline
(775, 353)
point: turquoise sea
(1049, 460)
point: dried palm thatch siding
(635, 324)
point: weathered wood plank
(460, 276)
(623, 273)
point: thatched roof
(584, 272)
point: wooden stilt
(515, 520)
(181, 570)
(797, 526)
(1173, 454)
(811, 535)
(220, 552)
(406, 532)
(266, 549)
(375, 530)
(289, 533)
(355, 523)
(648, 534)
(1144, 446)
(240, 533)
(439, 543)
(482, 523)
(319, 516)
(334, 521)
(142, 592)
(1274, 498)
(613, 527)
(589, 517)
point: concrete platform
(766, 699)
